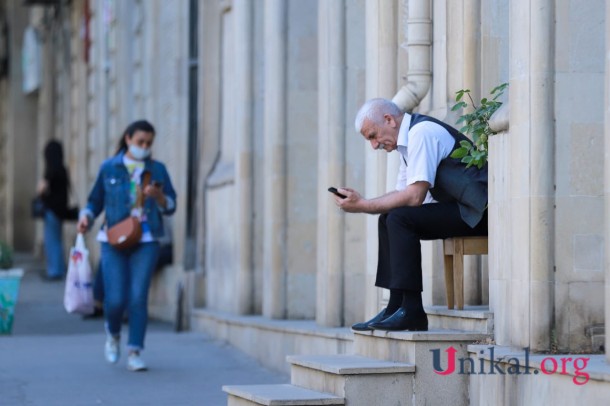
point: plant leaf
(459, 153)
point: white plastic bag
(78, 296)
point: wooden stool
(454, 250)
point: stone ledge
(305, 327)
(470, 312)
(430, 335)
(349, 364)
(280, 395)
(597, 368)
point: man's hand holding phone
(336, 192)
(347, 199)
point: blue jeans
(126, 275)
(53, 245)
(98, 285)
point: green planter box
(9, 290)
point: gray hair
(374, 110)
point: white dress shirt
(422, 148)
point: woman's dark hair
(53, 159)
(140, 125)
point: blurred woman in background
(53, 189)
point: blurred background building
(254, 103)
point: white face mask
(139, 153)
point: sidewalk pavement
(56, 359)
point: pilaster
(607, 184)
(275, 210)
(244, 152)
(331, 162)
(531, 146)
(381, 58)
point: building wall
(20, 128)
(546, 246)
(546, 198)
(579, 104)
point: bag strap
(145, 182)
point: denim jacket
(111, 193)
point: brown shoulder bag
(127, 233)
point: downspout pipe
(419, 50)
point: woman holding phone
(122, 181)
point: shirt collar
(403, 133)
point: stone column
(331, 162)
(274, 228)
(208, 114)
(463, 20)
(243, 99)
(21, 130)
(607, 184)
(47, 105)
(381, 51)
(79, 108)
(124, 63)
(99, 143)
(463, 50)
(529, 295)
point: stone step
(412, 346)
(472, 318)
(360, 380)
(278, 395)
(420, 348)
(268, 340)
(515, 376)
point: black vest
(454, 182)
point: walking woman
(53, 189)
(122, 181)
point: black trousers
(400, 233)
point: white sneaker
(135, 362)
(111, 349)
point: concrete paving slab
(56, 359)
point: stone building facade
(254, 104)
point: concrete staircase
(386, 368)
(332, 380)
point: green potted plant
(10, 279)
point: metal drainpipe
(419, 48)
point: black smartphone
(156, 183)
(334, 190)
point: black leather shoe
(366, 326)
(401, 320)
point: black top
(56, 196)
